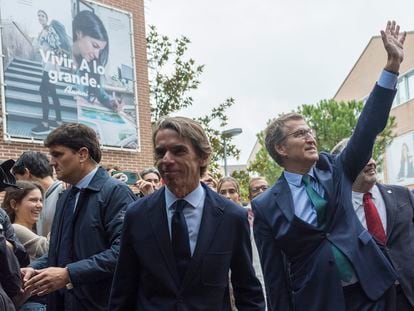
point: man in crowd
(257, 185)
(84, 244)
(34, 166)
(189, 237)
(314, 251)
(387, 212)
(150, 181)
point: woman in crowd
(23, 205)
(230, 188)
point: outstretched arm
(374, 116)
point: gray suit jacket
(399, 203)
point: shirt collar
(296, 179)
(194, 197)
(85, 181)
(358, 197)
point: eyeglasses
(302, 133)
(259, 188)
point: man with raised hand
(315, 253)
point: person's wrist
(393, 65)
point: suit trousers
(402, 302)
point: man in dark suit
(315, 253)
(179, 244)
(387, 212)
(84, 243)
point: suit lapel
(158, 219)
(390, 206)
(212, 216)
(283, 198)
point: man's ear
(83, 154)
(281, 149)
(13, 204)
(27, 173)
(203, 162)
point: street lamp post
(226, 135)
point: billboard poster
(400, 160)
(68, 61)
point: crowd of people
(326, 236)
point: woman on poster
(90, 54)
(406, 163)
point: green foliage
(172, 78)
(332, 121)
(172, 75)
(264, 165)
(219, 116)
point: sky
(270, 55)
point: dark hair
(275, 133)
(188, 129)
(75, 136)
(18, 194)
(149, 171)
(36, 162)
(91, 25)
(231, 180)
(41, 11)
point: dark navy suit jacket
(311, 280)
(399, 204)
(146, 277)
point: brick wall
(127, 160)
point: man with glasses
(257, 185)
(315, 253)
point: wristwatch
(69, 284)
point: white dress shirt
(357, 201)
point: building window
(405, 89)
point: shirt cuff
(388, 80)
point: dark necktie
(373, 219)
(319, 203)
(65, 247)
(179, 238)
